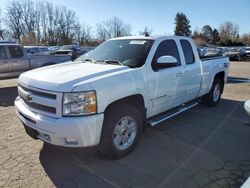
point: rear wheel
(121, 131)
(213, 97)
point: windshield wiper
(89, 60)
(114, 62)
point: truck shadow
(7, 96)
(211, 136)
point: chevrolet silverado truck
(14, 60)
(109, 95)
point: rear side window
(15, 51)
(36, 50)
(44, 49)
(3, 54)
(167, 47)
(188, 51)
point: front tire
(214, 95)
(121, 131)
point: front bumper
(86, 130)
(247, 107)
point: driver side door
(167, 85)
(5, 64)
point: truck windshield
(128, 52)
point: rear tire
(214, 95)
(121, 131)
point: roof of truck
(150, 37)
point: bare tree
(245, 39)
(1, 29)
(228, 32)
(82, 33)
(146, 31)
(14, 19)
(101, 32)
(29, 15)
(111, 28)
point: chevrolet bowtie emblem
(28, 97)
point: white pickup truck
(108, 95)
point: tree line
(30, 22)
(226, 35)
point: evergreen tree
(182, 27)
(207, 33)
(216, 36)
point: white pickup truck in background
(108, 95)
(14, 60)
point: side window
(188, 51)
(15, 51)
(36, 51)
(3, 54)
(167, 47)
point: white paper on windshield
(141, 42)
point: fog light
(71, 140)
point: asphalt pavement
(203, 147)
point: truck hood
(64, 77)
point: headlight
(76, 104)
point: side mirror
(166, 61)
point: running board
(171, 113)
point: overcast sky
(159, 15)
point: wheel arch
(221, 77)
(136, 101)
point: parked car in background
(212, 52)
(73, 50)
(86, 49)
(205, 52)
(14, 60)
(37, 50)
(235, 53)
(247, 51)
(222, 50)
(53, 49)
(201, 51)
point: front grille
(40, 101)
(39, 106)
(48, 95)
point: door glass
(15, 51)
(3, 54)
(167, 47)
(188, 51)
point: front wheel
(214, 95)
(121, 131)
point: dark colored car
(73, 50)
(236, 53)
(248, 52)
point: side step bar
(171, 113)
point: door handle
(180, 74)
